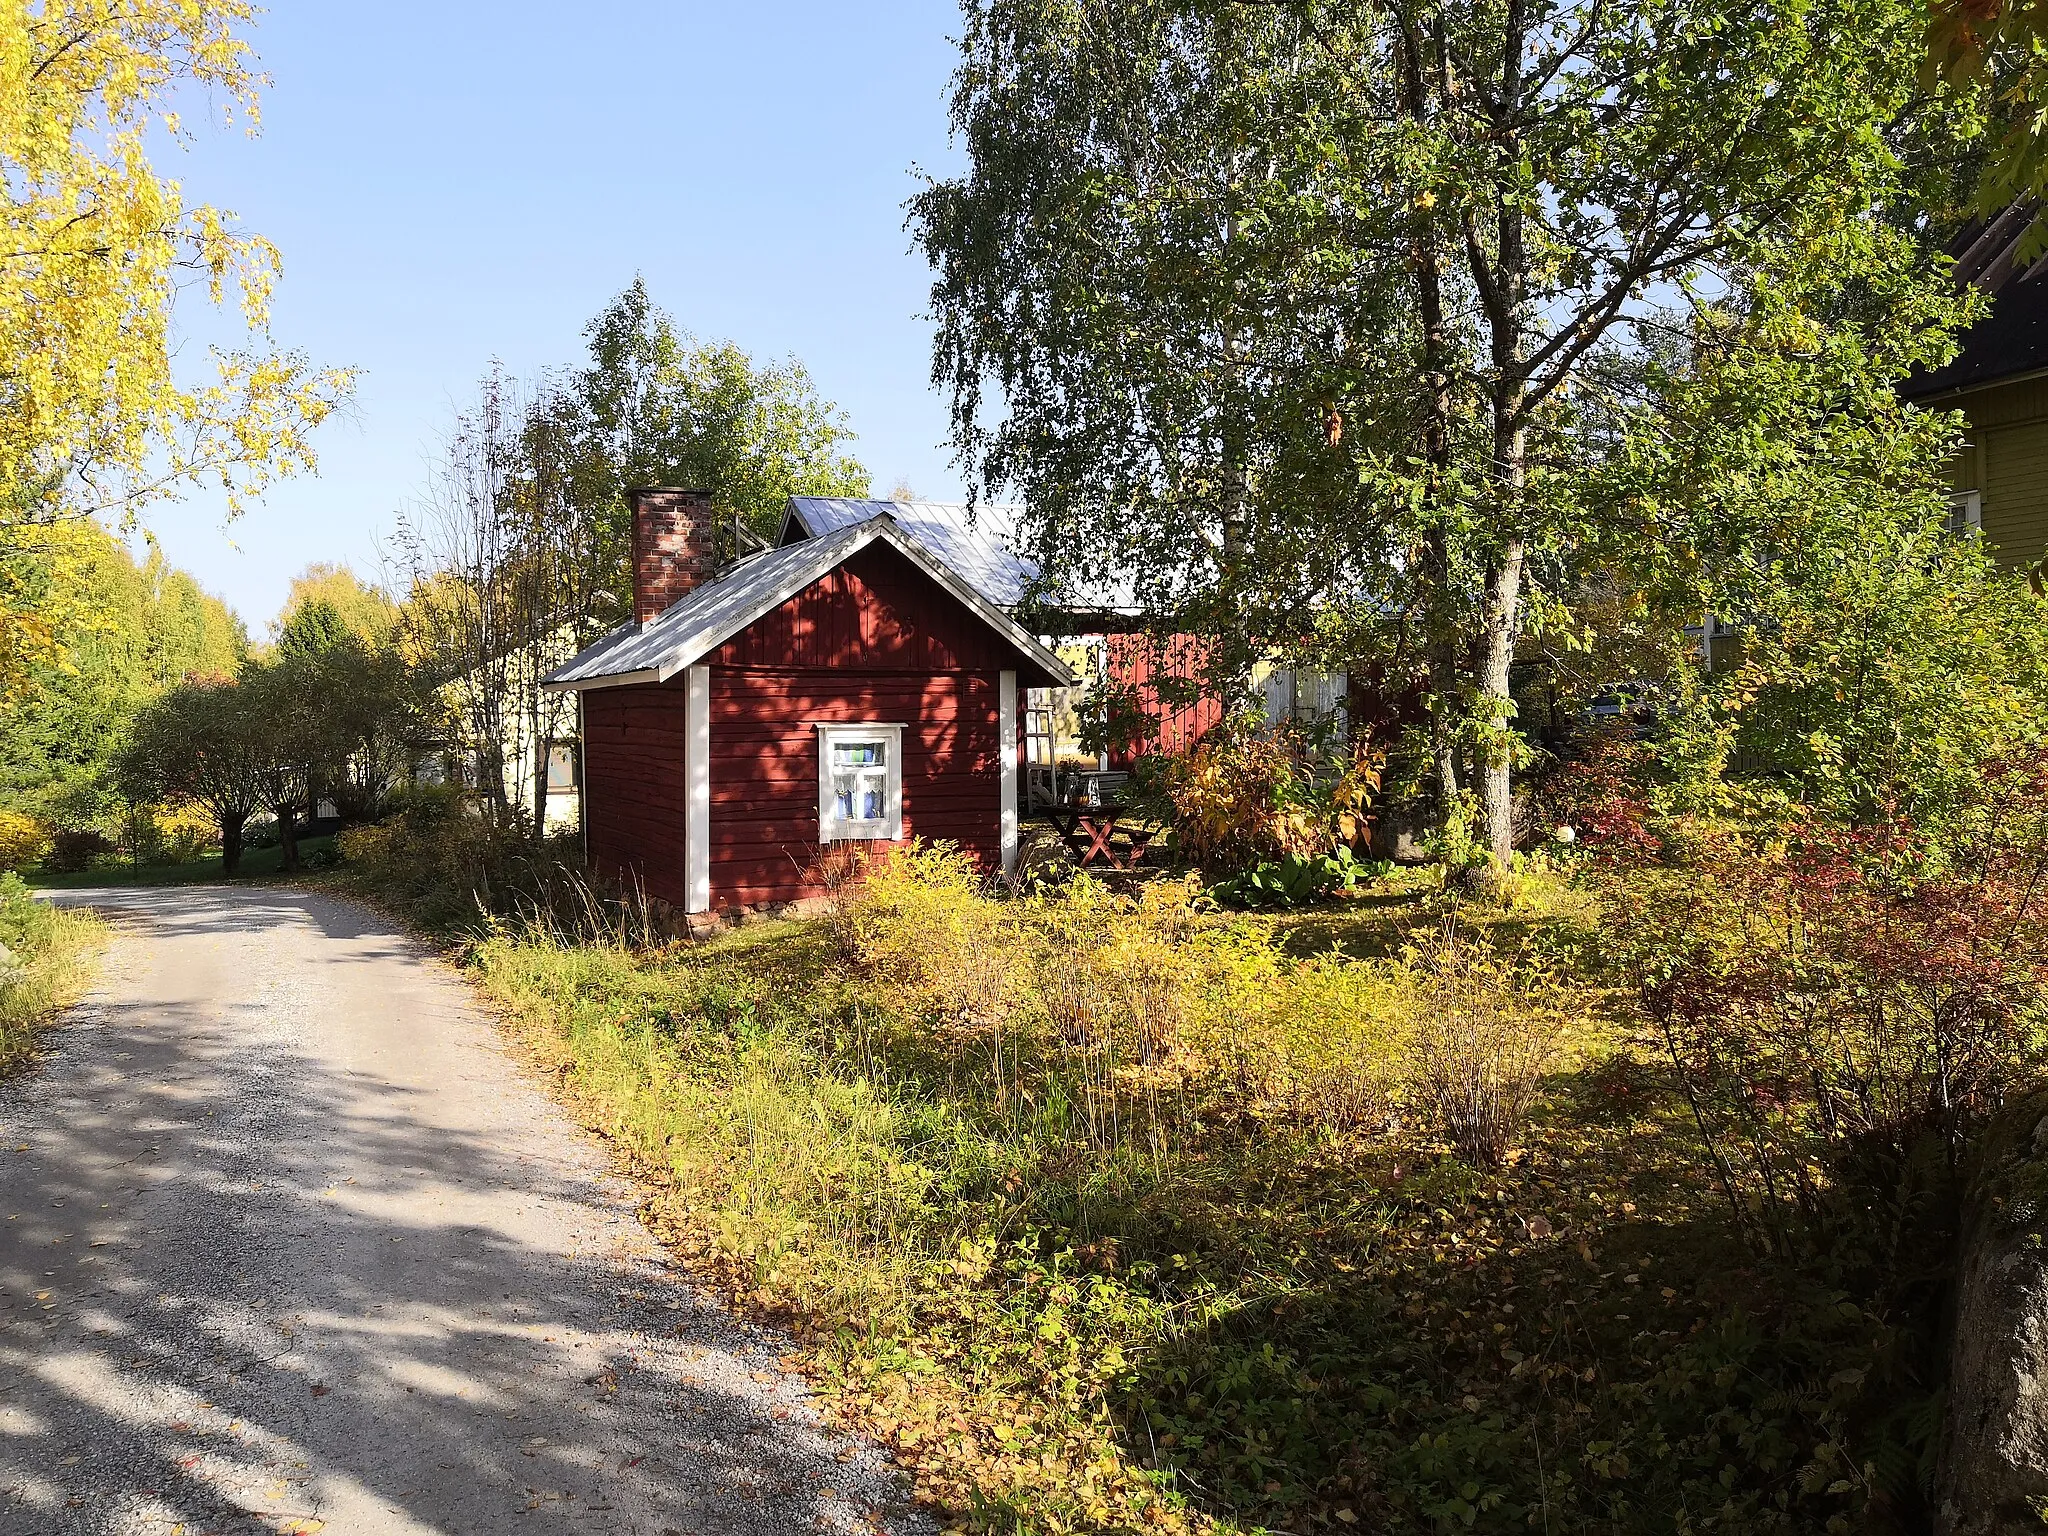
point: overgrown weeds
(45, 952)
(1154, 1226)
(1487, 1037)
(451, 869)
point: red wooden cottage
(851, 687)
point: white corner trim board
(1006, 734)
(697, 791)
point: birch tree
(501, 560)
(103, 411)
(1295, 306)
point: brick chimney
(673, 546)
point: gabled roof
(705, 618)
(2012, 340)
(976, 541)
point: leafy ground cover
(43, 965)
(1115, 1214)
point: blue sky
(451, 182)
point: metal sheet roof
(2012, 340)
(976, 541)
(705, 618)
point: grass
(1260, 1321)
(257, 864)
(51, 950)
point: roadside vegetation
(45, 955)
(1121, 1212)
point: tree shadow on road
(246, 1280)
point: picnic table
(1088, 831)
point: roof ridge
(693, 625)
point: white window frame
(887, 828)
(1966, 513)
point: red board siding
(633, 793)
(1137, 662)
(764, 768)
(877, 612)
(874, 640)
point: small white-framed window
(860, 783)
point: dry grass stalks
(1485, 1040)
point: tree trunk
(1993, 1469)
(1504, 287)
(540, 772)
(1426, 263)
(1498, 627)
(1445, 702)
(490, 769)
(231, 842)
(288, 837)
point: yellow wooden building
(1999, 382)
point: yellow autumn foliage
(23, 840)
(1137, 1006)
(96, 418)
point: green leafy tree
(1878, 662)
(201, 744)
(519, 549)
(1311, 306)
(312, 628)
(122, 633)
(290, 707)
(658, 406)
(378, 713)
(365, 609)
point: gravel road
(288, 1243)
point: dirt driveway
(288, 1243)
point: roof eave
(611, 680)
(832, 550)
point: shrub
(179, 834)
(1483, 1043)
(24, 841)
(1599, 795)
(1847, 1006)
(1139, 1014)
(448, 867)
(1297, 879)
(76, 848)
(1240, 796)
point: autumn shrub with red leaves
(1601, 795)
(1846, 1006)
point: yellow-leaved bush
(23, 840)
(1132, 1012)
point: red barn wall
(633, 794)
(764, 768)
(876, 639)
(1137, 663)
(877, 612)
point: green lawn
(257, 864)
